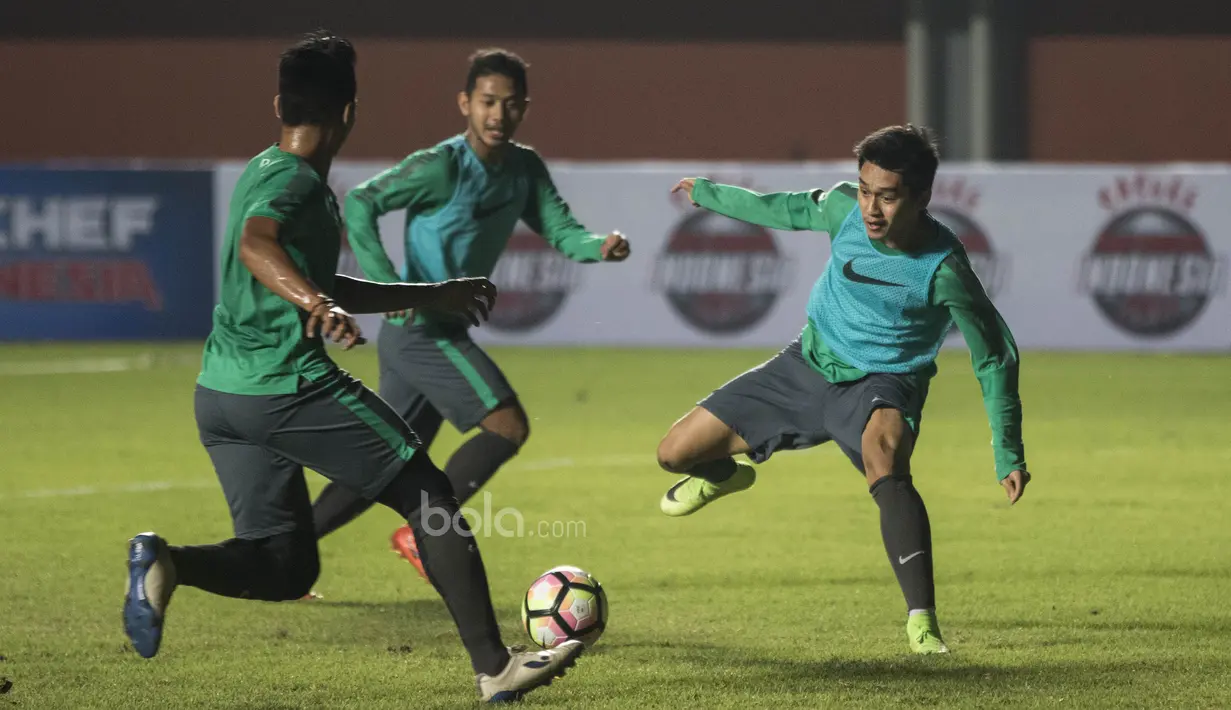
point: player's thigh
(266, 492)
(879, 417)
(337, 427)
(398, 390)
(775, 406)
(449, 369)
(698, 437)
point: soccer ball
(564, 603)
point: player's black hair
(316, 79)
(908, 150)
(494, 60)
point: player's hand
(1015, 485)
(328, 320)
(471, 297)
(687, 184)
(615, 248)
(408, 314)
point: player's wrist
(319, 301)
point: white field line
(92, 365)
(617, 461)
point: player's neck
(485, 153)
(310, 143)
(916, 238)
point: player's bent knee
(886, 444)
(420, 493)
(510, 423)
(697, 438)
(674, 455)
(294, 564)
(516, 434)
(300, 579)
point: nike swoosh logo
(908, 558)
(481, 212)
(849, 272)
(671, 491)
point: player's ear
(463, 103)
(278, 106)
(925, 198)
(348, 115)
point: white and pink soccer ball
(564, 603)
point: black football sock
(277, 568)
(450, 558)
(476, 461)
(714, 471)
(336, 506)
(908, 539)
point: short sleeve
(284, 186)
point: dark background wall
(776, 80)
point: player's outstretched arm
(549, 215)
(787, 211)
(996, 361)
(420, 183)
(472, 298)
(263, 255)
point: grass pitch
(1105, 587)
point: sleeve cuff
(703, 192)
(267, 212)
(592, 248)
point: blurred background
(1042, 107)
(1069, 80)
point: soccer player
(269, 400)
(463, 198)
(897, 279)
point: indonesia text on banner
(105, 254)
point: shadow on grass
(705, 668)
(1100, 622)
(400, 626)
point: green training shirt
(955, 287)
(461, 212)
(257, 344)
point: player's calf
(450, 556)
(905, 529)
(277, 568)
(501, 435)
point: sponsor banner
(1085, 258)
(1108, 258)
(105, 254)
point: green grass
(1105, 587)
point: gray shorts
(429, 369)
(785, 405)
(260, 444)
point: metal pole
(982, 77)
(919, 100)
